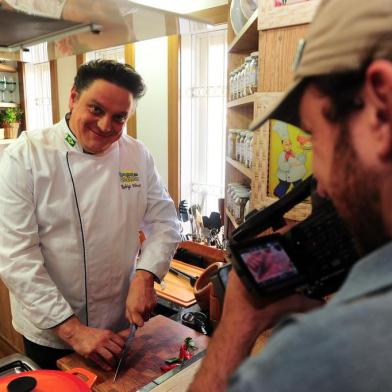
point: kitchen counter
(158, 340)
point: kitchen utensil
(183, 211)
(126, 348)
(15, 364)
(190, 278)
(73, 380)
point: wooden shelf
(240, 167)
(9, 105)
(248, 100)
(7, 68)
(6, 141)
(231, 218)
(247, 39)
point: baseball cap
(340, 35)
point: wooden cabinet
(10, 340)
(277, 47)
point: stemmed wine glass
(10, 87)
(3, 86)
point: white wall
(66, 71)
(151, 62)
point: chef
(73, 198)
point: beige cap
(341, 35)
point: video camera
(313, 257)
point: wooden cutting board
(159, 339)
(178, 290)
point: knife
(190, 278)
(125, 349)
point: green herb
(12, 115)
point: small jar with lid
(231, 85)
(254, 71)
(231, 143)
(246, 88)
(238, 145)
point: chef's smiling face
(98, 114)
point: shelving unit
(9, 105)
(276, 43)
(240, 167)
(240, 111)
(248, 100)
(231, 218)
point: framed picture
(280, 13)
(282, 159)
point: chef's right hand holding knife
(141, 298)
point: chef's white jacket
(69, 224)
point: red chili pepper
(166, 368)
(186, 352)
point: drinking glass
(10, 87)
(3, 86)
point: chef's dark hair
(122, 75)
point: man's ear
(379, 80)
(73, 97)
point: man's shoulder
(133, 145)
(326, 349)
(37, 137)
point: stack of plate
(240, 12)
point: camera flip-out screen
(268, 262)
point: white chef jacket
(69, 225)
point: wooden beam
(173, 118)
(22, 96)
(80, 59)
(54, 86)
(214, 15)
(130, 59)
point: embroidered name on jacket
(129, 179)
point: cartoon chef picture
(291, 164)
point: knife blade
(190, 278)
(126, 348)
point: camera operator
(342, 96)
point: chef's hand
(141, 298)
(102, 346)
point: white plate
(237, 18)
(248, 7)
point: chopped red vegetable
(186, 352)
(166, 368)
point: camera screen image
(268, 262)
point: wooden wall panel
(54, 86)
(130, 59)
(10, 340)
(173, 118)
(277, 49)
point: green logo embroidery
(70, 140)
(129, 179)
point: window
(38, 88)
(115, 53)
(203, 118)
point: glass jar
(246, 88)
(231, 143)
(241, 81)
(238, 146)
(248, 138)
(251, 147)
(231, 85)
(254, 71)
(243, 146)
